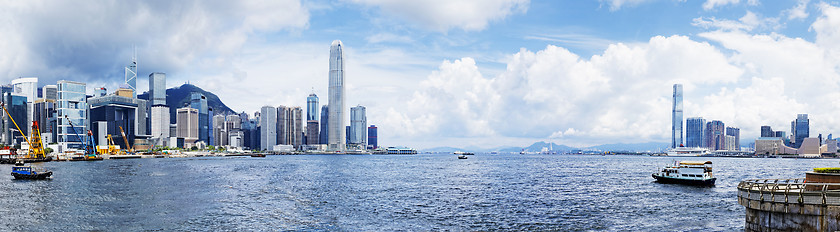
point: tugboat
(688, 173)
(23, 172)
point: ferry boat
(687, 172)
(688, 151)
(21, 171)
(400, 151)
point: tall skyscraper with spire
(131, 74)
(677, 117)
(336, 122)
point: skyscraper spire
(131, 73)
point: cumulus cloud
(93, 41)
(750, 21)
(798, 11)
(443, 15)
(620, 94)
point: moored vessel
(687, 172)
(688, 151)
(21, 171)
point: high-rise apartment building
(312, 132)
(358, 126)
(715, 136)
(72, 107)
(677, 117)
(283, 130)
(268, 127)
(296, 128)
(800, 129)
(736, 136)
(336, 123)
(695, 129)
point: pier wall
(789, 206)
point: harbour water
(374, 193)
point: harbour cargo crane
(128, 147)
(89, 147)
(36, 147)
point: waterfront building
(27, 87)
(219, 130)
(268, 128)
(312, 107)
(187, 120)
(358, 126)
(296, 127)
(50, 92)
(800, 129)
(233, 129)
(199, 101)
(347, 135)
(160, 123)
(736, 136)
(312, 132)
(695, 129)
(373, 142)
(283, 130)
(111, 112)
(157, 88)
(16, 107)
(677, 117)
(131, 76)
(323, 136)
(729, 143)
(715, 136)
(767, 131)
(45, 116)
(337, 137)
(159, 118)
(72, 103)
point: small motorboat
(462, 157)
(688, 173)
(21, 171)
(258, 155)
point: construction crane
(111, 148)
(128, 147)
(90, 149)
(36, 148)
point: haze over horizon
(461, 73)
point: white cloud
(749, 22)
(619, 95)
(389, 38)
(798, 11)
(94, 40)
(711, 4)
(443, 15)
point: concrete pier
(789, 205)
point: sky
(461, 73)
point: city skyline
(515, 73)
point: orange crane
(127, 146)
(36, 148)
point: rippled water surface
(366, 193)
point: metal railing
(792, 191)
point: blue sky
(458, 72)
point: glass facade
(157, 88)
(199, 101)
(324, 135)
(800, 129)
(71, 109)
(358, 125)
(677, 117)
(336, 123)
(372, 137)
(312, 107)
(268, 127)
(694, 131)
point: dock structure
(790, 205)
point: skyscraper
(358, 126)
(72, 102)
(160, 117)
(219, 130)
(736, 136)
(800, 129)
(187, 121)
(199, 101)
(312, 107)
(767, 131)
(336, 98)
(677, 117)
(131, 75)
(715, 136)
(283, 117)
(50, 92)
(324, 135)
(694, 131)
(373, 143)
(268, 128)
(27, 87)
(312, 132)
